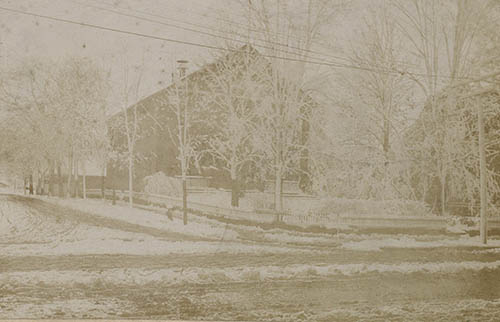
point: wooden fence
(305, 220)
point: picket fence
(301, 220)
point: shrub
(161, 184)
(261, 200)
(375, 208)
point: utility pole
(483, 192)
(482, 174)
(183, 138)
(2, 54)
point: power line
(228, 21)
(212, 29)
(183, 42)
(162, 38)
(225, 32)
(232, 31)
(198, 31)
(204, 14)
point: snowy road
(58, 262)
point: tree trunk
(84, 179)
(75, 183)
(130, 181)
(38, 186)
(278, 196)
(70, 168)
(184, 200)
(482, 174)
(235, 188)
(59, 181)
(304, 179)
(42, 180)
(443, 196)
(103, 184)
(24, 186)
(51, 179)
(386, 148)
(235, 193)
(31, 184)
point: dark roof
(244, 51)
(151, 101)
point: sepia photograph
(250, 160)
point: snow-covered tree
(182, 110)
(83, 91)
(444, 39)
(128, 123)
(287, 33)
(234, 89)
(374, 102)
(55, 111)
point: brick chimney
(182, 67)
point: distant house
(155, 146)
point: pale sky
(24, 36)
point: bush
(375, 208)
(261, 200)
(161, 184)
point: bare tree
(128, 122)
(30, 114)
(427, 25)
(83, 90)
(478, 98)
(375, 104)
(234, 90)
(289, 31)
(183, 103)
(53, 108)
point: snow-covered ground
(86, 308)
(203, 275)
(376, 244)
(462, 310)
(215, 230)
(73, 258)
(23, 231)
(198, 226)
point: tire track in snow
(62, 214)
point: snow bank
(487, 251)
(363, 207)
(456, 310)
(62, 308)
(308, 239)
(371, 244)
(138, 245)
(233, 274)
(461, 225)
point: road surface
(293, 283)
